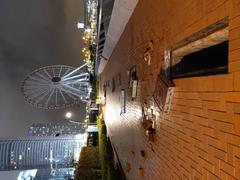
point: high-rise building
(55, 129)
(40, 152)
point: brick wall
(200, 137)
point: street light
(68, 115)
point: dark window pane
(208, 61)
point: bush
(88, 167)
(106, 153)
(97, 162)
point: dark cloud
(34, 34)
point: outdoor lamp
(68, 115)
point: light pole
(68, 116)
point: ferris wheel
(56, 86)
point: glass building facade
(40, 152)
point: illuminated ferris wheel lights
(55, 87)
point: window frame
(204, 33)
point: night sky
(34, 34)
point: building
(55, 129)
(92, 139)
(40, 152)
(39, 174)
(105, 13)
(198, 128)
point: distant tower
(39, 152)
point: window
(123, 102)
(203, 53)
